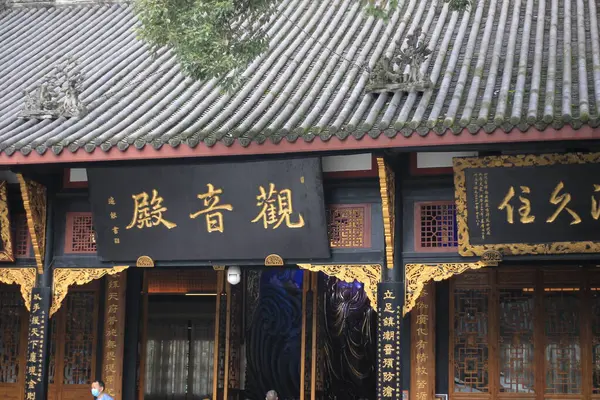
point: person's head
(97, 388)
(272, 395)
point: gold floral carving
(273, 260)
(24, 277)
(467, 249)
(387, 188)
(65, 277)
(418, 275)
(369, 275)
(5, 233)
(144, 262)
(34, 201)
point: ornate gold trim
(418, 275)
(274, 260)
(369, 275)
(7, 254)
(387, 188)
(144, 262)
(65, 277)
(34, 201)
(467, 249)
(24, 277)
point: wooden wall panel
(11, 391)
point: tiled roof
(505, 64)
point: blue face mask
(95, 392)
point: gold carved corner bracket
(24, 277)
(65, 277)
(369, 275)
(34, 201)
(418, 275)
(387, 187)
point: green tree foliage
(218, 38)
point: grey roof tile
(501, 65)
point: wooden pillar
(220, 337)
(423, 349)
(114, 331)
(389, 320)
(134, 315)
(318, 317)
(39, 210)
(307, 347)
(36, 373)
(233, 348)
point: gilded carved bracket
(5, 233)
(24, 277)
(387, 189)
(65, 277)
(369, 275)
(416, 276)
(34, 201)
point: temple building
(403, 208)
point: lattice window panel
(349, 226)
(470, 345)
(435, 227)
(516, 340)
(80, 234)
(79, 338)
(562, 344)
(595, 323)
(11, 305)
(182, 281)
(21, 236)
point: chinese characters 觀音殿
(275, 209)
(147, 214)
(559, 198)
(212, 212)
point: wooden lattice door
(519, 333)
(73, 347)
(13, 343)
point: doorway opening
(179, 335)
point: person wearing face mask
(98, 391)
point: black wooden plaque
(37, 345)
(211, 212)
(390, 297)
(528, 204)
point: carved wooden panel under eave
(6, 239)
(34, 201)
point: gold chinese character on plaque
(149, 212)
(595, 203)
(562, 200)
(212, 210)
(276, 208)
(524, 209)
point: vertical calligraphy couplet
(114, 334)
(37, 345)
(482, 203)
(389, 319)
(422, 350)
